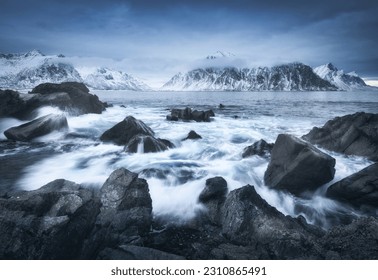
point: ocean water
(177, 176)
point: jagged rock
(357, 241)
(125, 213)
(147, 144)
(355, 134)
(124, 131)
(297, 166)
(38, 127)
(69, 96)
(260, 148)
(358, 189)
(48, 223)
(131, 252)
(213, 197)
(187, 114)
(247, 219)
(192, 135)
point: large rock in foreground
(358, 189)
(355, 134)
(49, 223)
(247, 219)
(125, 130)
(37, 128)
(297, 166)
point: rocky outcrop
(49, 223)
(260, 148)
(355, 134)
(136, 136)
(188, 114)
(37, 128)
(359, 189)
(125, 130)
(72, 97)
(192, 135)
(297, 166)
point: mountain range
(27, 70)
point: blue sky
(155, 38)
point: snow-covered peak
(349, 81)
(109, 79)
(220, 54)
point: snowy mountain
(220, 54)
(105, 79)
(287, 77)
(344, 81)
(27, 70)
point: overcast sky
(153, 39)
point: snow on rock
(287, 77)
(344, 81)
(108, 79)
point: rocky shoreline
(64, 220)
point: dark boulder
(297, 166)
(72, 97)
(247, 219)
(11, 103)
(260, 148)
(355, 134)
(188, 114)
(147, 144)
(125, 214)
(38, 127)
(358, 189)
(124, 131)
(192, 135)
(49, 223)
(356, 241)
(213, 197)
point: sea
(177, 176)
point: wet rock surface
(260, 148)
(37, 128)
(355, 134)
(297, 167)
(359, 189)
(188, 114)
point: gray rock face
(126, 203)
(147, 144)
(357, 189)
(247, 219)
(355, 134)
(260, 148)
(297, 166)
(38, 127)
(131, 252)
(49, 223)
(124, 131)
(213, 197)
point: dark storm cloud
(269, 31)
